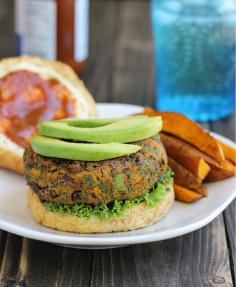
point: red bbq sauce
(27, 99)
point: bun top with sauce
(34, 90)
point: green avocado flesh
(52, 147)
(116, 208)
(124, 130)
(94, 123)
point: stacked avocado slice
(94, 139)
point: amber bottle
(53, 29)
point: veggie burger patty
(100, 182)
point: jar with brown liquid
(53, 29)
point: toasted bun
(138, 216)
(11, 153)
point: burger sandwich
(98, 175)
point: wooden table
(121, 69)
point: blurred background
(175, 54)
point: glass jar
(195, 56)
(53, 29)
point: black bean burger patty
(101, 182)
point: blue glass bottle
(195, 56)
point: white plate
(182, 218)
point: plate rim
(119, 240)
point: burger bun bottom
(138, 216)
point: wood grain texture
(98, 76)
(76, 268)
(3, 237)
(11, 261)
(133, 64)
(7, 36)
(40, 264)
(229, 217)
(197, 259)
(226, 127)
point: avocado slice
(51, 147)
(124, 130)
(93, 123)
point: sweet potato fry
(186, 155)
(188, 130)
(230, 152)
(191, 150)
(202, 190)
(225, 170)
(184, 177)
(149, 111)
(186, 195)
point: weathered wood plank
(229, 216)
(76, 268)
(226, 127)
(8, 40)
(133, 65)
(11, 259)
(98, 76)
(197, 259)
(34, 263)
(40, 264)
(3, 237)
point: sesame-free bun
(10, 152)
(138, 216)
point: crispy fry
(149, 112)
(186, 155)
(230, 152)
(184, 177)
(186, 195)
(202, 190)
(190, 150)
(225, 170)
(188, 130)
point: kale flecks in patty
(101, 182)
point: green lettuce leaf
(116, 208)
